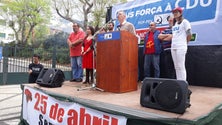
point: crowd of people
(84, 58)
(168, 46)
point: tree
(56, 39)
(39, 35)
(70, 10)
(83, 10)
(24, 15)
(99, 10)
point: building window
(11, 37)
(2, 35)
(2, 22)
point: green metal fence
(15, 61)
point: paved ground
(10, 104)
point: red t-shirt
(150, 49)
(76, 50)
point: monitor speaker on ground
(165, 94)
(51, 77)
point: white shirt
(179, 40)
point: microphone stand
(93, 86)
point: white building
(6, 33)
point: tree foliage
(57, 40)
(24, 15)
(99, 10)
(88, 11)
(68, 9)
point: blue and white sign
(0, 52)
(108, 36)
(205, 16)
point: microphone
(118, 27)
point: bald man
(124, 25)
(152, 50)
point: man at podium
(118, 71)
(124, 25)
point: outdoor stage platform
(206, 104)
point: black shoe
(85, 82)
(91, 81)
(72, 80)
(79, 80)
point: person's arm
(82, 48)
(84, 52)
(69, 43)
(80, 40)
(77, 42)
(132, 29)
(189, 35)
(162, 36)
(187, 26)
(30, 69)
(165, 37)
(168, 37)
(90, 48)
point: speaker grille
(51, 78)
(49, 74)
(168, 94)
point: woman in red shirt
(87, 52)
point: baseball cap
(177, 9)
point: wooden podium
(117, 62)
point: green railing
(15, 61)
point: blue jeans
(76, 64)
(152, 60)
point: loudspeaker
(108, 14)
(165, 94)
(50, 77)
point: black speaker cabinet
(50, 77)
(165, 94)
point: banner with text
(205, 17)
(41, 109)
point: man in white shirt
(124, 25)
